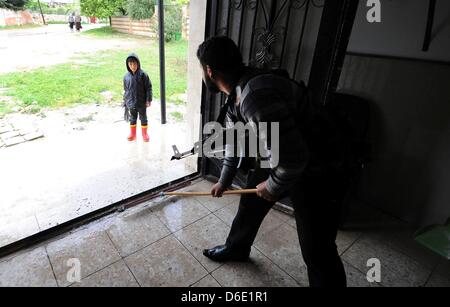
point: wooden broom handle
(230, 192)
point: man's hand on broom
(261, 191)
(217, 190)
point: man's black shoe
(222, 253)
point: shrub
(140, 9)
(173, 22)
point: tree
(101, 8)
(13, 4)
(33, 5)
(144, 9)
(173, 21)
(140, 9)
(182, 2)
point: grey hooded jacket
(137, 87)
(269, 106)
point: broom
(231, 192)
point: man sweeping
(313, 189)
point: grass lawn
(27, 26)
(62, 23)
(108, 32)
(4, 108)
(85, 78)
(177, 115)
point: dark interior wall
(410, 103)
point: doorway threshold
(96, 215)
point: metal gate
(270, 34)
(287, 34)
(267, 31)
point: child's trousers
(142, 112)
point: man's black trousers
(317, 205)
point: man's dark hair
(220, 53)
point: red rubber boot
(144, 134)
(132, 135)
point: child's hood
(133, 56)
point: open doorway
(64, 151)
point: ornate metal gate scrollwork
(271, 23)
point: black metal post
(162, 61)
(42, 14)
(252, 40)
(273, 13)
(300, 43)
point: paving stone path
(11, 135)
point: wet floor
(82, 165)
(160, 243)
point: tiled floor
(160, 244)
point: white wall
(410, 108)
(197, 10)
(401, 31)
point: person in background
(71, 21)
(78, 22)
